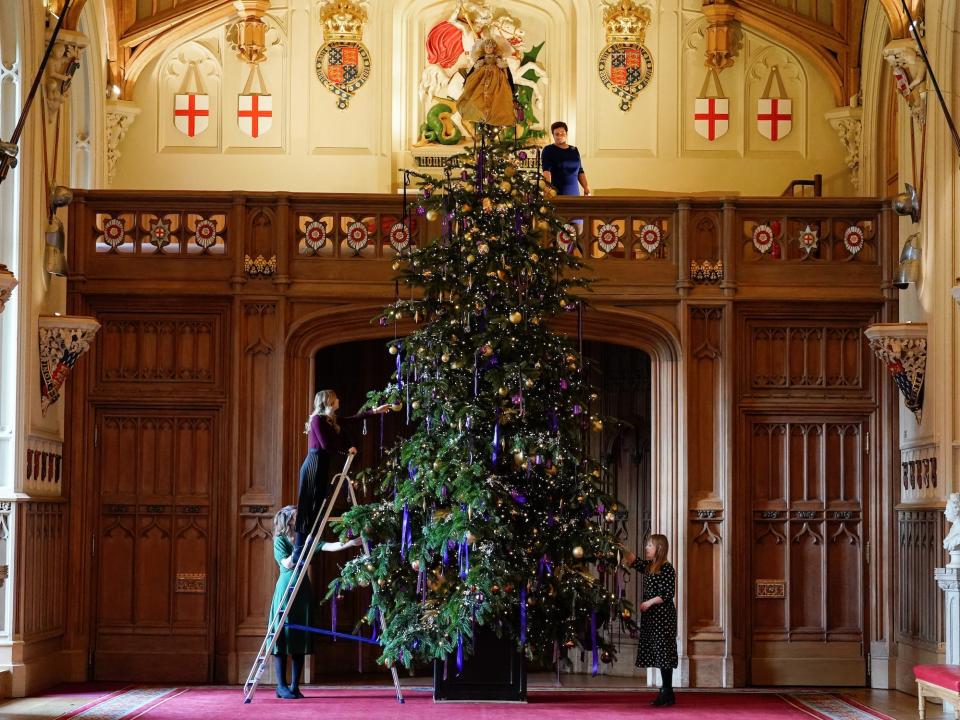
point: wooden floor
(890, 702)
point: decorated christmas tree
(492, 510)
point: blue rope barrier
(345, 636)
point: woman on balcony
(561, 164)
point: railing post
(236, 242)
(682, 242)
(282, 277)
(728, 249)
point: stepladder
(313, 542)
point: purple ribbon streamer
(403, 531)
(399, 370)
(496, 439)
(523, 615)
(333, 609)
(593, 639)
(459, 653)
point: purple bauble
(564, 384)
(577, 410)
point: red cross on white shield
(774, 117)
(191, 113)
(711, 117)
(254, 114)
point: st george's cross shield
(191, 113)
(254, 114)
(711, 116)
(774, 114)
(902, 81)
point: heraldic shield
(774, 114)
(711, 117)
(343, 67)
(254, 109)
(191, 113)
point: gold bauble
(534, 258)
(543, 210)
(487, 350)
(549, 193)
(465, 208)
(487, 205)
(506, 186)
(503, 391)
(543, 225)
(394, 349)
(415, 404)
(396, 265)
(470, 258)
(456, 364)
(369, 567)
(516, 317)
(597, 424)
(625, 614)
(518, 458)
(535, 320)
(577, 552)
(483, 248)
(432, 215)
(468, 188)
(510, 170)
(445, 357)
(397, 407)
(528, 382)
(381, 582)
(610, 517)
(501, 275)
(436, 464)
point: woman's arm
(582, 179)
(337, 546)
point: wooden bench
(942, 681)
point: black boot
(658, 700)
(280, 666)
(667, 675)
(297, 673)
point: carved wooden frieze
(800, 357)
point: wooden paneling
(155, 567)
(41, 546)
(920, 602)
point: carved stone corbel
(909, 74)
(64, 62)
(848, 123)
(62, 341)
(722, 35)
(7, 283)
(120, 116)
(902, 347)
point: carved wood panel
(167, 349)
(804, 358)
(260, 372)
(806, 479)
(157, 474)
(41, 546)
(919, 611)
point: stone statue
(951, 543)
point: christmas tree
(492, 510)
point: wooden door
(807, 477)
(153, 544)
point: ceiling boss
(343, 62)
(625, 65)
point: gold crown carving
(626, 20)
(343, 20)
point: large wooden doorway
(807, 482)
(155, 476)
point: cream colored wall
(316, 147)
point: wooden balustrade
(658, 246)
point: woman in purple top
(325, 439)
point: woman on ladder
(325, 439)
(297, 643)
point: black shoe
(668, 699)
(284, 693)
(296, 693)
(658, 701)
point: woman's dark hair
(559, 124)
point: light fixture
(908, 271)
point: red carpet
(379, 704)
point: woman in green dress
(296, 643)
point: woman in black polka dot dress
(658, 614)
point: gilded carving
(7, 283)
(625, 65)
(770, 589)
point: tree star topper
(343, 62)
(625, 64)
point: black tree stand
(495, 672)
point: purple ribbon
(496, 439)
(459, 653)
(523, 614)
(333, 608)
(403, 531)
(399, 370)
(593, 639)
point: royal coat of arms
(343, 62)
(625, 65)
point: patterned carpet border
(829, 706)
(124, 704)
